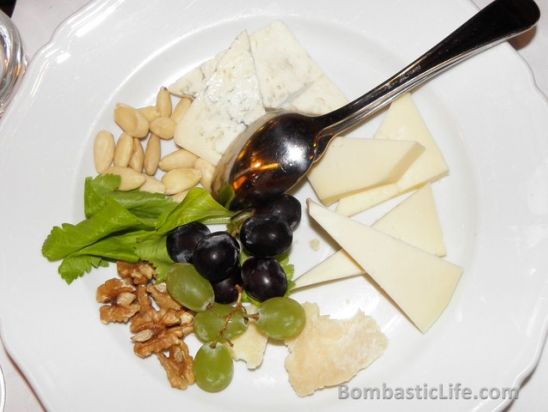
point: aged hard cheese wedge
(230, 101)
(350, 165)
(329, 352)
(415, 221)
(421, 284)
(402, 122)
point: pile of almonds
(138, 167)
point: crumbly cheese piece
(350, 165)
(284, 68)
(193, 82)
(249, 347)
(230, 102)
(329, 352)
(415, 221)
(402, 122)
(321, 97)
(421, 284)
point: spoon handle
(499, 21)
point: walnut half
(119, 301)
(178, 366)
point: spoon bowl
(267, 159)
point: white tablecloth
(36, 20)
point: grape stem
(237, 307)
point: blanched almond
(180, 109)
(178, 159)
(123, 151)
(207, 170)
(103, 151)
(138, 157)
(152, 185)
(163, 102)
(179, 180)
(130, 178)
(179, 197)
(163, 127)
(152, 155)
(149, 112)
(131, 120)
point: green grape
(188, 287)
(281, 318)
(213, 368)
(209, 324)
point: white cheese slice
(193, 82)
(230, 102)
(284, 68)
(402, 122)
(414, 221)
(321, 97)
(351, 165)
(337, 266)
(421, 284)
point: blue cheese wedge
(420, 283)
(321, 97)
(329, 352)
(230, 101)
(284, 68)
(192, 83)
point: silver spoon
(276, 152)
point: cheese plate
(492, 207)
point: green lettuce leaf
(67, 239)
(120, 247)
(198, 205)
(149, 207)
(153, 249)
(129, 226)
(73, 267)
(95, 191)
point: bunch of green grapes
(215, 324)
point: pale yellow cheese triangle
(402, 122)
(421, 284)
(414, 221)
(349, 165)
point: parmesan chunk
(329, 352)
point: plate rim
(62, 34)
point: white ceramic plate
(486, 115)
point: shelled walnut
(157, 330)
(157, 322)
(178, 366)
(137, 273)
(119, 301)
